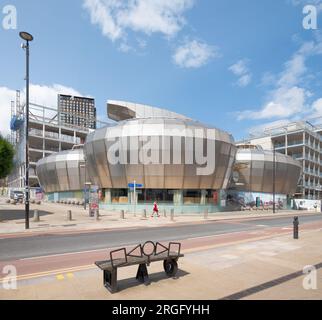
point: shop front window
(119, 195)
(151, 195)
(191, 196)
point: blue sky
(237, 64)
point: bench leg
(142, 274)
(110, 280)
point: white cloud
(241, 70)
(194, 54)
(311, 113)
(317, 107)
(101, 13)
(124, 47)
(141, 42)
(47, 95)
(115, 17)
(284, 103)
(39, 94)
(259, 129)
(289, 96)
(294, 70)
(6, 96)
(244, 80)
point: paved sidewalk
(214, 273)
(53, 218)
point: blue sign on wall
(137, 185)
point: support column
(43, 141)
(222, 198)
(203, 198)
(178, 197)
(132, 199)
(108, 196)
(59, 133)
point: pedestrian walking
(155, 209)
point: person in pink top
(155, 209)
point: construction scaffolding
(48, 134)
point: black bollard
(296, 228)
(69, 215)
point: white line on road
(105, 249)
(63, 254)
(215, 235)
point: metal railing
(294, 143)
(55, 135)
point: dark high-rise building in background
(77, 111)
(51, 130)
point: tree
(6, 157)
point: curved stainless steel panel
(164, 138)
(63, 171)
(253, 171)
(123, 110)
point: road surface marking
(60, 277)
(110, 248)
(52, 272)
(201, 237)
(63, 254)
(97, 250)
(220, 234)
(70, 275)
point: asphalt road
(41, 245)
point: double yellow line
(47, 273)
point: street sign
(137, 185)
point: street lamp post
(274, 175)
(27, 37)
(85, 186)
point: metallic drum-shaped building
(253, 171)
(160, 153)
(150, 154)
(62, 172)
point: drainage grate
(266, 285)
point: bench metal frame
(143, 259)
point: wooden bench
(141, 255)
